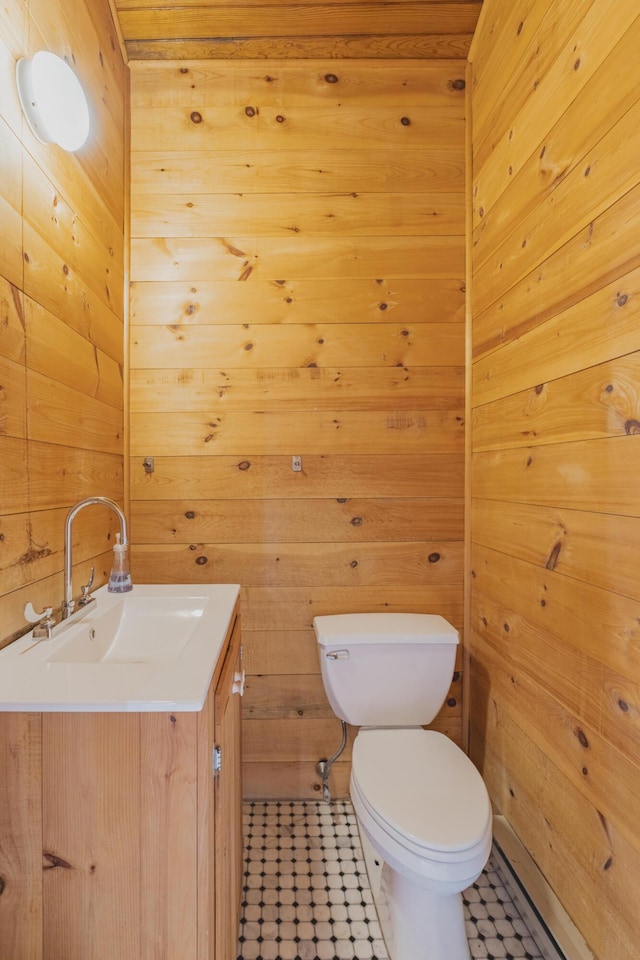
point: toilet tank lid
(351, 628)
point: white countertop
(34, 675)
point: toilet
(422, 808)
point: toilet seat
(423, 792)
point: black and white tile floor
(306, 894)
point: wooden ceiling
(275, 29)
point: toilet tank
(386, 669)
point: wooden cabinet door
(228, 802)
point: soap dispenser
(120, 576)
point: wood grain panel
(295, 520)
(604, 775)
(563, 79)
(58, 352)
(598, 255)
(259, 735)
(415, 170)
(96, 842)
(586, 855)
(21, 835)
(282, 781)
(280, 388)
(598, 477)
(383, 47)
(600, 179)
(600, 401)
(305, 345)
(11, 265)
(266, 652)
(256, 20)
(33, 543)
(307, 128)
(598, 327)
(188, 434)
(12, 398)
(301, 301)
(12, 321)
(580, 612)
(581, 126)
(582, 683)
(582, 545)
(293, 608)
(270, 258)
(429, 84)
(58, 414)
(416, 475)
(303, 563)
(168, 835)
(314, 215)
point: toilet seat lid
(443, 805)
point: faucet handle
(31, 615)
(85, 598)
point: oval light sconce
(53, 100)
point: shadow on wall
(478, 694)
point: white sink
(134, 629)
(152, 649)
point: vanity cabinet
(116, 837)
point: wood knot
(353, 564)
(632, 427)
(201, 561)
(244, 465)
(196, 117)
(383, 306)
(458, 84)
(250, 111)
(621, 299)
(331, 78)
(280, 118)
(356, 521)
(580, 734)
(452, 702)
(190, 514)
(434, 557)
(405, 121)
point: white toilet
(422, 808)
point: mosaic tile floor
(306, 894)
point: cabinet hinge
(216, 760)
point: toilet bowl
(422, 808)
(425, 821)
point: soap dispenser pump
(120, 576)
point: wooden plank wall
(297, 290)
(555, 641)
(61, 350)
(61, 310)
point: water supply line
(323, 767)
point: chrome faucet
(68, 604)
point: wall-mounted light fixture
(53, 100)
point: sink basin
(152, 649)
(133, 630)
